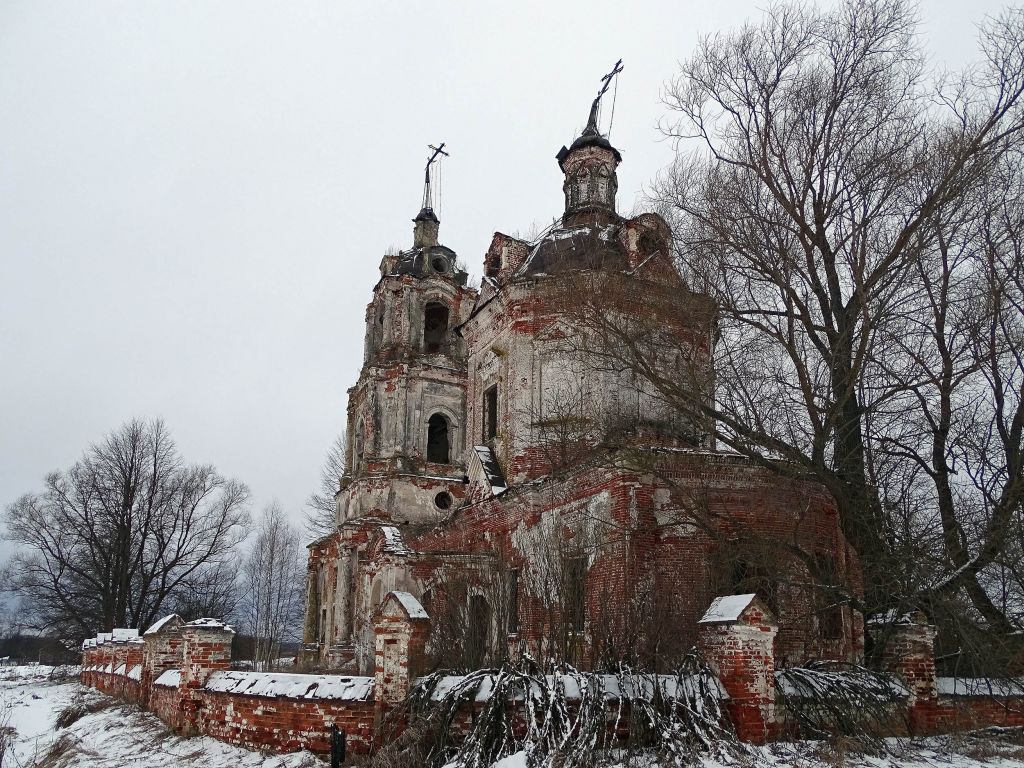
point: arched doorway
(438, 440)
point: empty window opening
(491, 412)
(575, 592)
(357, 447)
(513, 602)
(443, 501)
(830, 610)
(435, 327)
(750, 577)
(477, 631)
(438, 443)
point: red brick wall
(285, 725)
(969, 713)
(165, 703)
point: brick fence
(179, 671)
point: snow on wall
(208, 623)
(160, 623)
(961, 686)
(334, 687)
(169, 679)
(393, 541)
(611, 686)
(792, 684)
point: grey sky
(195, 196)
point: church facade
(533, 497)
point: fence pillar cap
(401, 606)
(746, 609)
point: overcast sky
(195, 196)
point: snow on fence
(827, 698)
(292, 686)
(981, 686)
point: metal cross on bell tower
(428, 202)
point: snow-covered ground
(113, 735)
(960, 752)
(108, 734)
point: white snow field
(109, 734)
(112, 735)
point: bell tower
(406, 413)
(590, 165)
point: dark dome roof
(589, 138)
(586, 247)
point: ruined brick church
(464, 498)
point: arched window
(435, 327)
(438, 441)
(357, 447)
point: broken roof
(570, 248)
(416, 262)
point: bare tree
(273, 575)
(321, 510)
(833, 205)
(117, 538)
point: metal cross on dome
(605, 82)
(427, 203)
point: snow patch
(208, 623)
(393, 541)
(169, 679)
(160, 624)
(727, 608)
(612, 687)
(334, 687)
(411, 605)
(979, 686)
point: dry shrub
(72, 713)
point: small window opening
(357, 447)
(477, 631)
(513, 602)
(443, 500)
(438, 444)
(575, 592)
(830, 612)
(749, 577)
(435, 327)
(440, 265)
(491, 412)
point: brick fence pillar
(163, 651)
(400, 626)
(88, 659)
(206, 649)
(736, 636)
(908, 651)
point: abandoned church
(517, 490)
(510, 490)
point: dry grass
(72, 713)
